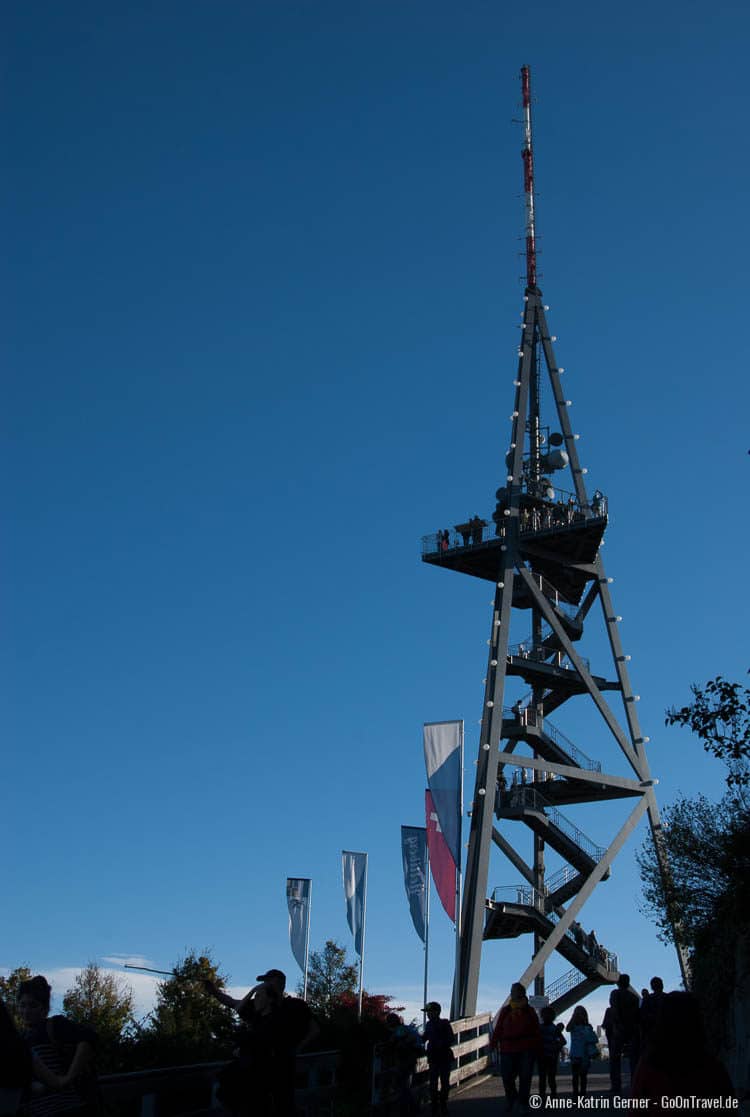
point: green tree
(329, 976)
(9, 989)
(102, 1001)
(187, 1023)
(708, 846)
(719, 715)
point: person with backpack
(583, 1048)
(518, 1038)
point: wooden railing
(168, 1091)
(172, 1091)
(472, 1053)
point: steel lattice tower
(542, 553)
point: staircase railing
(528, 798)
(527, 715)
(561, 877)
(565, 743)
(562, 985)
(526, 896)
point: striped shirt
(54, 1043)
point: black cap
(272, 975)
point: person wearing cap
(439, 1040)
(280, 1026)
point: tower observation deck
(540, 546)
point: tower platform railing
(538, 513)
(541, 653)
(523, 894)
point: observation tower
(540, 549)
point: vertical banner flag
(298, 902)
(441, 860)
(355, 869)
(442, 757)
(414, 856)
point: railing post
(148, 1105)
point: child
(583, 1046)
(552, 1044)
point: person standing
(439, 1040)
(62, 1054)
(651, 1006)
(552, 1044)
(676, 1062)
(626, 1037)
(583, 1047)
(518, 1037)
(404, 1048)
(608, 1025)
(279, 1027)
(15, 1065)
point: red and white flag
(441, 860)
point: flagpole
(362, 955)
(426, 925)
(307, 940)
(457, 979)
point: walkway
(484, 1099)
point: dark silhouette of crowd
(662, 1037)
(659, 1036)
(48, 1065)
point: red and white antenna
(528, 178)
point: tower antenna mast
(528, 178)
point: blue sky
(263, 280)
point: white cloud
(128, 960)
